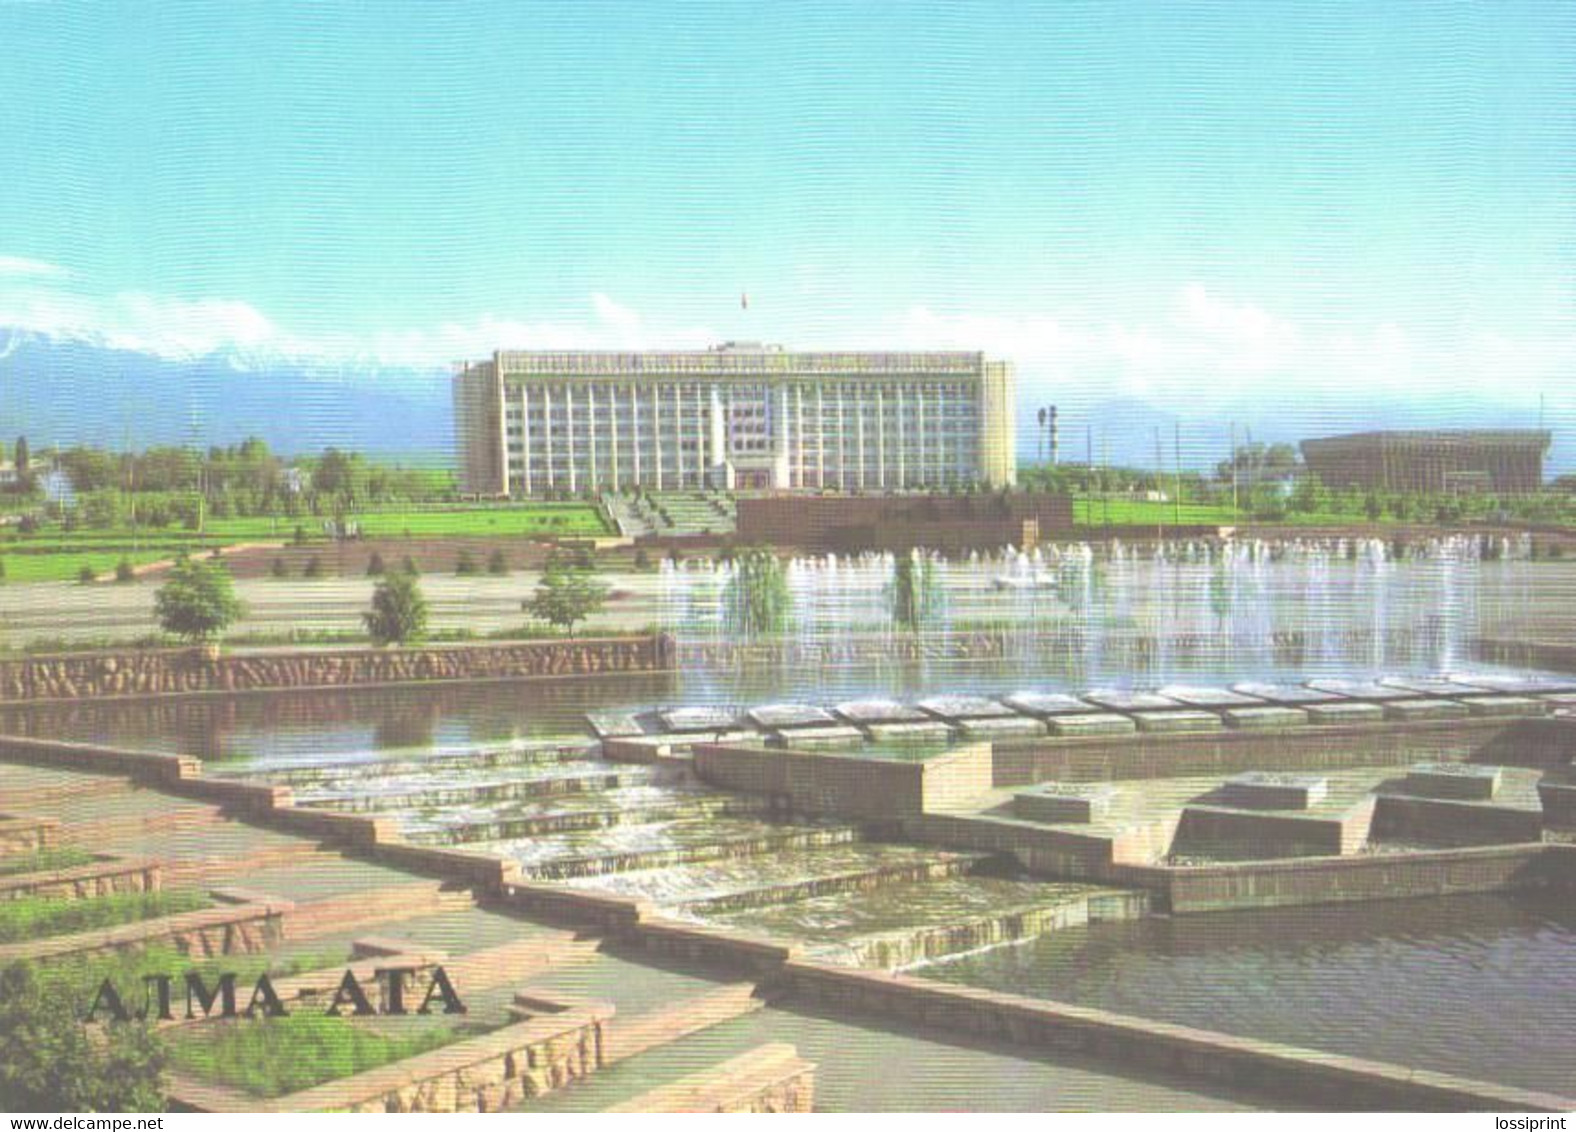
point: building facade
(738, 416)
(936, 522)
(1501, 461)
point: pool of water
(1479, 986)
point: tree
(23, 456)
(49, 1061)
(914, 590)
(567, 594)
(198, 602)
(757, 596)
(399, 611)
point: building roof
(739, 358)
(1540, 438)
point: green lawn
(572, 519)
(39, 917)
(1124, 512)
(277, 1056)
(65, 565)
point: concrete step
(694, 841)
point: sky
(1215, 208)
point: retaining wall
(848, 786)
(104, 877)
(1308, 747)
(482, 1074)
(237, 929)
(1328, 880)
(162, 672)
(20, 834)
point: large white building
(741, 415)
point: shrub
(87, 575)
(49, 1061)
(409, 567)
(300, 535)
(642, 559)
(497, 563)
(279, 569)
(124, 571)
(465, 566)
(198, 602)
(37, 917)
(399, 611)
(375, 567)
(313, 568)
(568, 592)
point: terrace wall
(848, 786)
(105, 877)
(1325, 880)
(1310, 747)
(158, 672)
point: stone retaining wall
(104, 877)
(238, 929)
(1309, 747)
(163, 672)
(26, 835)
(847, 785)
(1327, 880)
(483, 1074)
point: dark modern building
(902, 522)
(1501, 461)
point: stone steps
(550, 821)
(922, 921)
(547, 786)
(709, 890)
(725, 843)
(485, 757)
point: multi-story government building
(740, 415)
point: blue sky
(1211, 204)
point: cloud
(41, 299)
(15, 265)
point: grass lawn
(39, 917)
(570, 519)
(44, 860)
(64, 566)
(1124, 512)
(276, 1056)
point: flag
(744, 300)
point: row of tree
(198, 602)
(242, 479)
